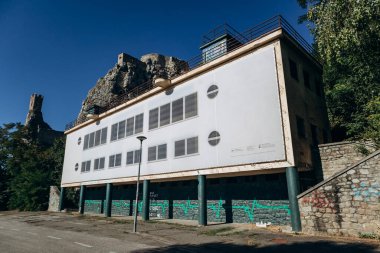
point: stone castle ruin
(36, 125)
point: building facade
(225, 140)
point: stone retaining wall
(338, 156)
(347, 203)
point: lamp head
(141, 138)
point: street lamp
(141, 139)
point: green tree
(347, 38)
(27, 169)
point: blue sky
(60, 48)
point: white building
(249, 109)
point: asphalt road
(21, 236)
(34, 232)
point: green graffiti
(249, 208)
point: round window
(214, 138)
(79, 140)
(212, 91)
(169, 91)
(76, 166)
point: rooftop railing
(236, 41)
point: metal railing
(236, 41)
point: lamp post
(141, 139)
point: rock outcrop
(36, 125)
(127, 74)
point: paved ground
(65, 232)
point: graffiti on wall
(318, 200)
(366, 191)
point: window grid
(99, 163)
(187, 146)
(158, 152)
(133, 157)
(125, 128)
(95, 138)
(114, 161)
(86, 166)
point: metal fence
(236, 41)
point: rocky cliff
(127, 74)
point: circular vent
(79, 140)
(212, 91)
(214, 138)
(76, 166)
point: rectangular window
(153, 118)
(191, 105)
(121, 130)
(157, 152)
(114, 132)
(165, 115)
(99, 163)
(111, 161)
(177, 110)
(186, 147)
(306, 79)
(293, 69)
(161, 151)
(314, 134)
(139, 123)
(192, 145)
(130, 126)
(118, 160)
(114, 161)
(152, 153)
(92, 140)
(86, 166)
(179, 148)
(97, 137)
(130, 157)
(85, 145)
(137, 156)
(104, 136)
(300, 127)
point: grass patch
(213, 232)
(369, 236)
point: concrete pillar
(82, 198)
(293, 190)
(107, 212)
(202, 201)
(146, 202)
(62, 199)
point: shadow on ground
(309, 247)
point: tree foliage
(27, 169)
(347, 37)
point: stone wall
(347, 203)
(54, 199)
(240, 200)
(338, 156)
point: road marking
(53, 237)
(32, 233)
(84, 245)
(15, 229)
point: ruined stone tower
(35, 123)
(34, 116)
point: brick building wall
(347, 203)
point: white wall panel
(246, 113)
